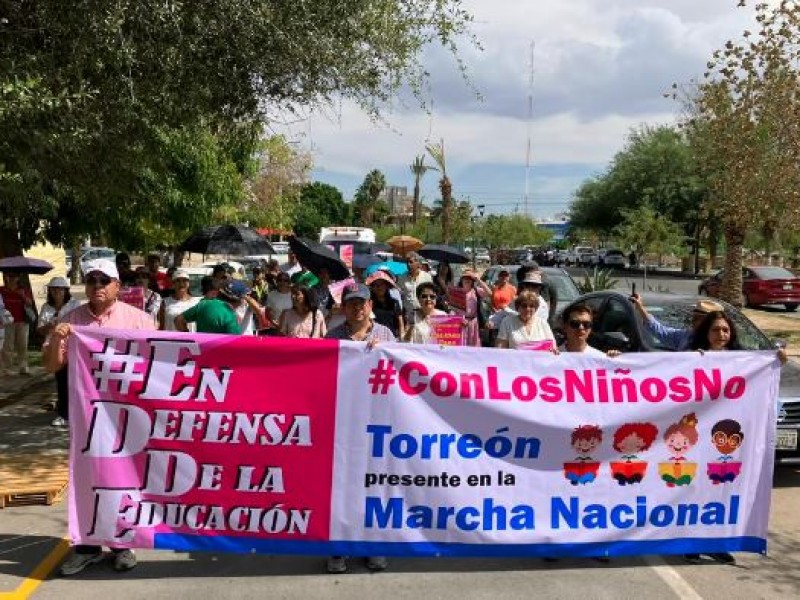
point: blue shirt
(675, 338)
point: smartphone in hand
(633, 291)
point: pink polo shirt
(118, 316)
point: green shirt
(213, 315)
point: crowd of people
(289, 300)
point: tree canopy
(91, 90)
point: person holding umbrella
(386, 308)
(18, 300)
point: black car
(617, 326)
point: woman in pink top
(304, 319)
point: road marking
(672, 578)
(40, 573)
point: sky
(601, 68)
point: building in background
(557, 226)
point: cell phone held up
(633, 292)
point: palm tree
(418, 168)
(445, 187)
(368, 193)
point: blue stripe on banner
(241, 545)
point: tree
(445, 187)
(320, 205)
(88, 87)
(657, 167)
(418, 169)
(743, 124)
(648, 232)
(367, 207)
(510, 231)
(276, 189)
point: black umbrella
(442, 253)
(23, 264)
(227, 239)
(315, 256)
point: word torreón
(589, 385)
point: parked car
(88, 254)
(761, 285)
(588, 257)
(617, 326)
(614, 258)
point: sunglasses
(578, 324)
(427, 297)
(102, 280)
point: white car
(615, 258)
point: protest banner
(457, 297)
(337, 287)
(133, 296)
(446, 330)
(244, 444)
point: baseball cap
(103, 265)
(58, 282)
(506, 271)
(707, 306)
(532, 278)
(180, 274)
(356, 290)
(234, 290)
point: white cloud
(601, 68)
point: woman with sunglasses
(304, 319)
(420, 332)
(525, 326)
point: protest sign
(133, 296)
(178, 443)
(540, 345)
(457, 297)
(446, 330)
(346, 254)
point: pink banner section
(446, 329)
(540, 346)
(199, 435)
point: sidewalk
(15, 385)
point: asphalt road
(670, 284)
(31, 545)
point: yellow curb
(39, 574)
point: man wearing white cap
(102, 310)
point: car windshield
(679, 315)
(566, 290)
(773, 273)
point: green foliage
(597, 280)
(320, 205)
(367, 208)
(511, 231)
(89, 88)
(657, 167)
(646, 231)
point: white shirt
(173, 307)
(409, 287)
(48, 312)
(421, 331)
(588, 350)
(513, 331)
(495, 319)
(277, 303)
